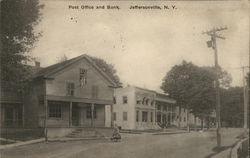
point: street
(190, 145)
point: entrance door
(75, 115)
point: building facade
(139, 108)
(74, 93)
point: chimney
(37, 63)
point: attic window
(83, 77)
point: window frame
(55, 113)
(137, 117)
(144, 116)
(125, 116)
(70, 88)
(83, 77)
(114, 116)
(125, 99)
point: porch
(165, 113)
(11, 114)
(63, 113)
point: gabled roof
(50, 70)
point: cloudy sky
(144, 44)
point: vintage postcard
(124, 78)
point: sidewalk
(21, 143)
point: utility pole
(245, 96)
(212, 43)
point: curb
(233, 153)
(76, 139)
(168, 133)
(21, 143)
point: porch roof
(79, 100)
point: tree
(62, 58)
(232, 107)
(18, 18)
(193, 87)
(108, 69)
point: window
(184, 119)
(94, 91)
(83, 77)
(55, 110)
(114, 116)
(184, 110)
(143, 100)
(70, 88)
(151, 116)
(125, 99)
(152, 103)
(164, 108)
(114, 100)
(147, 101)
(138, 102)
(125, 116)
(137, 116)
(89, 113)
(158, 107)
(144, 116)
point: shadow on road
(218, 150)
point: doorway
(75, 115)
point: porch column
(70, 114)
(45, 118)
(92, 113)
(161, 114)
(23, 115)
(171, 114)
(112, 115)
(1, 116)
(14, 123)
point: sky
(143, 45)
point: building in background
(140, 108)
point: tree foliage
(232, 107)
(109, 69)
(18, 18)
(193, 86)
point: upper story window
(70, 88)
(138, 101)
(152, 103)
(94, 91)
(125, 99)
(83, 77)
(147, 101)
(143, 100)
(114, 100)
